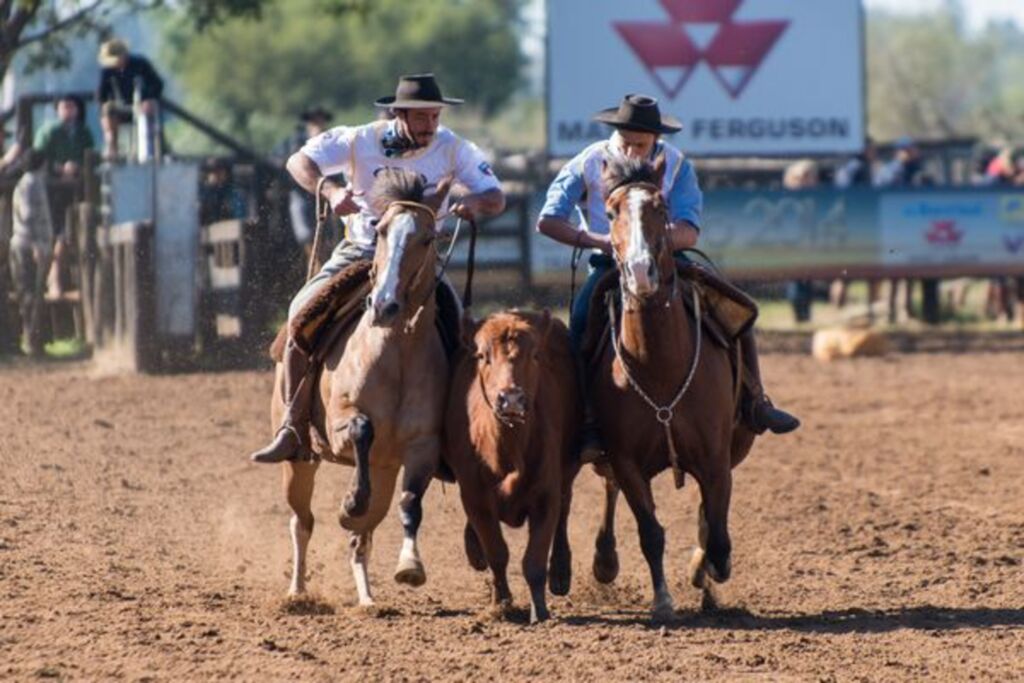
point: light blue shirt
(579, 184)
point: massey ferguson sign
(746, 77)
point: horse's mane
(621, 170)
(396, 185)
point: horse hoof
(606, 567)
(560, 581)
(708, 600)
(663, 611)
(539, 614)
(411, 573)
(696, 570)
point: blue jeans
(599, 264)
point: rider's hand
(342, 200)
(463, 209)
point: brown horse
(382, 390)
(663, 399)
(510, 429)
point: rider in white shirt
(414, 140)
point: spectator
(1006, 168)
(219, 198)
(30, 247)
(64, 142)
(125, 80)
(801, 175)
(905, 169)
(301, 204)
(859, 171)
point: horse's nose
(384, 313)
(511, 401)
(643, 273)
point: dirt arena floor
(884, 541)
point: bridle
(414, 282)
(662, 413)
(662, 244)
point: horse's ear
(659, 166)
(436, 199)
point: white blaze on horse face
(640, 272)
(399, 232)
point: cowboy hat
(112, 51)
(639, 113)
(418, 91)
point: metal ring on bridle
(663, 415)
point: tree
(929, 76)
(42, 27)
(253, 77)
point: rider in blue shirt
(578, 189)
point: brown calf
(510, 432)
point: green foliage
(40, 29)
(928, 76)
(253, 77)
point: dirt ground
(883, 541)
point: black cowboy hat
(418, 91)
(639, 113)
(316, 114)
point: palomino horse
(510, 432)
(382, 390)
(663, 399)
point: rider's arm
(322, 155)
(564, 194)
(472, 171)
(482, 204)
(685, 205)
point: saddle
(340, 303)
(726, 312)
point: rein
(322, 211)
(662, 413)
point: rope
(322, 210)
(665, 413)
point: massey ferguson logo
(944, 233)
(701, 31)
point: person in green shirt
(64, 142)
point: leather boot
(758, 412)
(292, 439)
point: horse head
(406, 251)
(509, 351)
(638, 214)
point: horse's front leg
(606, 558)
(383, 480)
(360, 433)
(637, 490)
(420, 461)
(713, 555)
(298, 489)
